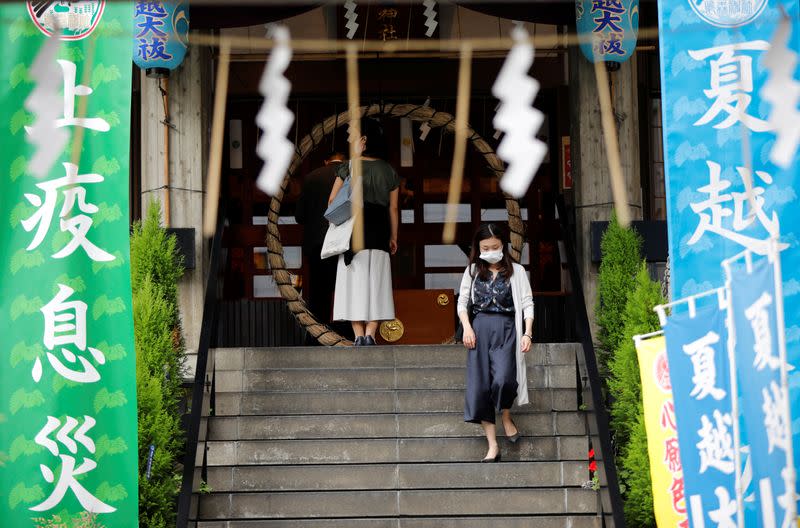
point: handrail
(199, 386)
(584, 330)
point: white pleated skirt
(364, 288)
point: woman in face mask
(497, 337)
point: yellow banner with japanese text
(662, 436)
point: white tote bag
(337, 239)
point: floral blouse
(492, 295)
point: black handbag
(459, 335)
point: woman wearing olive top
(499, 336)
(364, 280)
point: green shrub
(635, 471)
(621, 255)
(155, 271)
(627, 414)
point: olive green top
(378, 177)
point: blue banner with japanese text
(763, 406)
(608, 28)
(697, 347)
(723, 192)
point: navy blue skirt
(491, 367)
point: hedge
(627, 413)
(155, 271)
(621, 255)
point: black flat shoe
(369, 341)
(491, 460)
(513, 438)
(359, 341)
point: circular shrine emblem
(76, 20)
(661, 372)
(728, 13)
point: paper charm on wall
(517, 117)
(430, 17)
(275, 119)
(47, 105)
(782, 91)
(351, 16)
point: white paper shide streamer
(783, 92)
(517, 117)
(425, 127)
(351, 16)
(47, 105)
(275, 119)
(430, 17)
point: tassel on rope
(46, 104)
(217, 134)
(612, 145)
(275, 119)
(356, 184)
(517, 117)
(457, 170)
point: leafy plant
(65, 520)
(155, 271)
(621, 255)
(627, 413)
(204, 487)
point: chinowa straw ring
(309, 143)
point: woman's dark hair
(376, 140)
(484, 232)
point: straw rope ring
(281, 275)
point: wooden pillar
(592, 185)
(188, 95)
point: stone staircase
(374, 438)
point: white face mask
(492, 257)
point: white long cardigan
(523, 309)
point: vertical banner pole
(775, 256)
(612, 145)
(217, 136)
(462, 117)
(356, 183)
(737, 437)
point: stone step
(374, 357)
(539, 521)
(299, 505)
(384, 426)
(397, 476)
(382, 451)
(539, 377)
(378, 401)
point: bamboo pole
(612, 146)
(461, 125)
(356, 183)
(217, 135)
(83, 102)
(397, 46)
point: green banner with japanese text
(68, 432)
